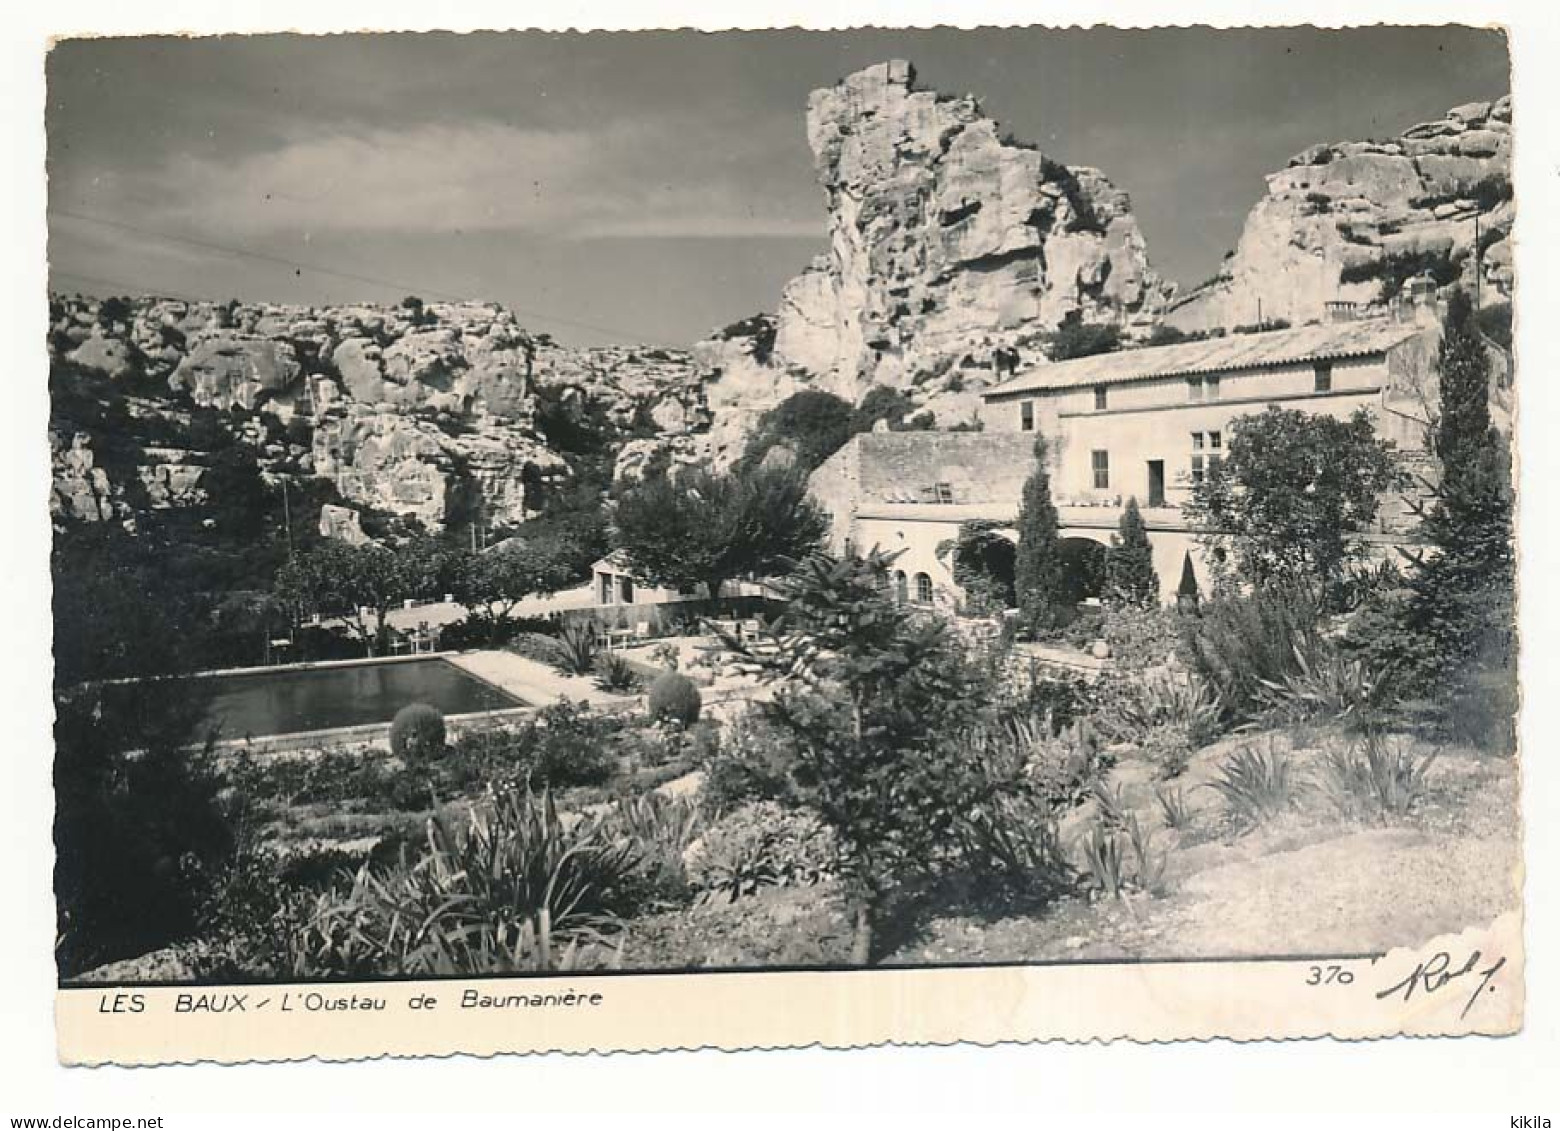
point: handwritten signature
(1436, 973)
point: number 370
(1329, 976)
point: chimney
(1423, 300)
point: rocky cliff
(436, 412)
(953, 251)
(1353, 221)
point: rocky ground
(1308, 883)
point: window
(923, 589)
(1026, 416)
(1212, 386)
(1197, 469)
(626, 589)
(1323, 376)
(1215, 440)
(1101, 398)
(1101, 463)
(606, 588)
(901, 587)
(1214, 463)
(1197, 441)
(1194, 388)
(943, 492)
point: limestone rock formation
(437, 412)
(953, 250)
(1351, 221)
(342, 523)
(80, 489)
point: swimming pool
(292, 702)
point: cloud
(617, 181)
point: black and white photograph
(530, 504)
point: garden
(1315, 756)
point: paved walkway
(533, 682)
(440, 613)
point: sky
(649, 187)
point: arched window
(923, 589)
(901, 586)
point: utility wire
(298, 265)
(120, 285)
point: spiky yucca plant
(578, 644)
(1257, 783)
(514, 887)
(1376, 778)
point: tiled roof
(1215, 355)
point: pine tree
(1130, 578)
(1037, 569)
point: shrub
(1375, 778)
(564, 744)
(675, 698)
(1173, 807)
(1141, 638)
(758, 845)
(513, 888)
(571, 745)
(1119, 859)
(543, 648)
(615, 674)
(1050, 693)
(1243, 644)
(417, 733)
(661, 829)
(577, 646)
(1006, 830)
(1136, 708)
(1257, 783)
(1327, 684)
(755, 762)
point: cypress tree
(1187, 589)
(1462, 600)
(1037, 568)
(1129, 568)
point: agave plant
(1257, 783)
(1103, 860)
(515, 887)
(1327, 684)
(1375, 778)
(577, 647)
(1172, 807)
(615, 674)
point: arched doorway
(983, 564)
(1083, 569)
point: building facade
(1139, 423)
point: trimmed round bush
(675, 698)
(416, 732)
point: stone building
(1140, 423)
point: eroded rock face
(428, 411)
(953, 250)
(80, 489)
(1347, 221)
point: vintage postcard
(674, 540)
